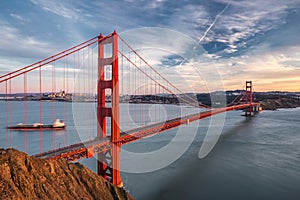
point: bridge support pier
(109, 160)
(256, 109)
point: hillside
(25, 177)
(276, 103)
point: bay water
(254, 158)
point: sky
(243, 40)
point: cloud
(214, 22)
(19, 18)
(59, 8)
(7, 64)
(190, 19)
(154, 4)
(245, 20)
(249, 37)
(16, 45)
(268, 70)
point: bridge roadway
(89, 148)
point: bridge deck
(89, 148)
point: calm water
(257, 158)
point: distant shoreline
(268, 102)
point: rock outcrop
(25, 177)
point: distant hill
(25, 177)
(269, 100)
(276, 103)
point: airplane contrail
(214, 132)
(213, 23)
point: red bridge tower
(248, 98)
(109, 160)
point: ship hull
(38, 127)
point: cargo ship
(57, 125)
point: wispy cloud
(213, 23)
(247, 19)
(190, 19)
(15, 45)
(59, 8)
(244, 38)
(19, 18)
(276, 69)
(7, 64)
(154, 4)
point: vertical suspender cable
(88, 87)
(92, 93)
(74, 93)
(10, 112)
(79, 91)
(53, 103)
(41, 110)
(6, 115)
(64, 96)
(25, 113)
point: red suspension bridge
(107, 71)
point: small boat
(57, 125)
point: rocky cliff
(25, 177)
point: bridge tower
(249, 98)
(109, 161)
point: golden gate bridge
(120, 74)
